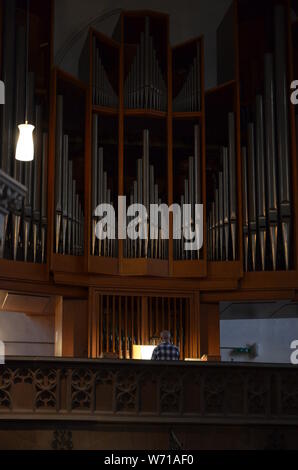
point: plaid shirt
(166, 352)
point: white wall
(25, 335)
(273, 336)
(188, 18)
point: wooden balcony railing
(137, 391)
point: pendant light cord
(27, 59)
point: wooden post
(196, 326)
(58, 326)
(170, 151)
(192, 327)
(209, 333)
(92, 325)
(144, 321)
(74, 328)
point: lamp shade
(25, 146)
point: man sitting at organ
(166, 351)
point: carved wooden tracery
(134, 390)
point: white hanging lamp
(25, 145)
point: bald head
(165, 336)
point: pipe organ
(69, 212)
(145, 191)
(266, 163)
(124, 321)
(139, 123)
(191, 190)
(222, 218)
(101, 193)
(26, 229)
(254, 137)
(145, 86)
(103, 92)
(189, 96)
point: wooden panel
(66, 263)
(101, 265)
(237, 110)
(58, 326)
(203, 150)
(74, 328)
(68, 330)
(270, 280)
(92, 325)
(187, 116)
(26, 304)
(144, 267)
(189, 269)
(170, 155)
(143, 113)
(209, 331)
(225, 269)
(128, 396)
(23, 271)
